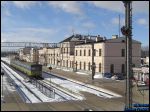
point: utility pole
(119, 25)
(93, 64)
(127, 31)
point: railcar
(31, 69)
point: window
(123, 68)
(89, 52)
(76, 65)
(76, 52)
(80, 53)
(80, 65)
(64, 50)
(84, 65)
(84, 52)
(70, 63)
(67, 50)
(100, 67)
(123, 52)
(100, 52)
(112, 68)
(94, 52)
(89, 66)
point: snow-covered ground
(5, 59)
(82, 73)
(22, 85)
(6, 85)
(98, 76)
(77, 87)
(65, 70)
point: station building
(75, 53)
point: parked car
(120, 77)
(107, 75)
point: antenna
(119, 25)
(88, 31)
(72, 31)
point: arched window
(100, 68)
(84, 52)
(89, 52)
(80, 65)
(89, 66)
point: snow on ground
(35, 90)
(6, 85)
(77, 87)
(32, 98)
(5, 59)
(98, 76)
(65, 70)
(82, 73)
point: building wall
(113, 55)
(106, 54)
(42, 56)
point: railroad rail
(16, 85)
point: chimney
(114, 36)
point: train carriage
(31, 69)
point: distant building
(75, 53)
(141, 74)
(29, 54)
(145, 60)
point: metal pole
(93, 65)
(119, 25)
(128, 26)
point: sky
(53, 21)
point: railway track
(101, 93)
(17, 82)
(57, 91)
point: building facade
(29, 54)
(75, 53)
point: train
(32, 70)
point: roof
(90, 38)
(120, 39)
(78, 37)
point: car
(120, 77)
(107, 75)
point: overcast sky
(53, 21)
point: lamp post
(50, 68)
